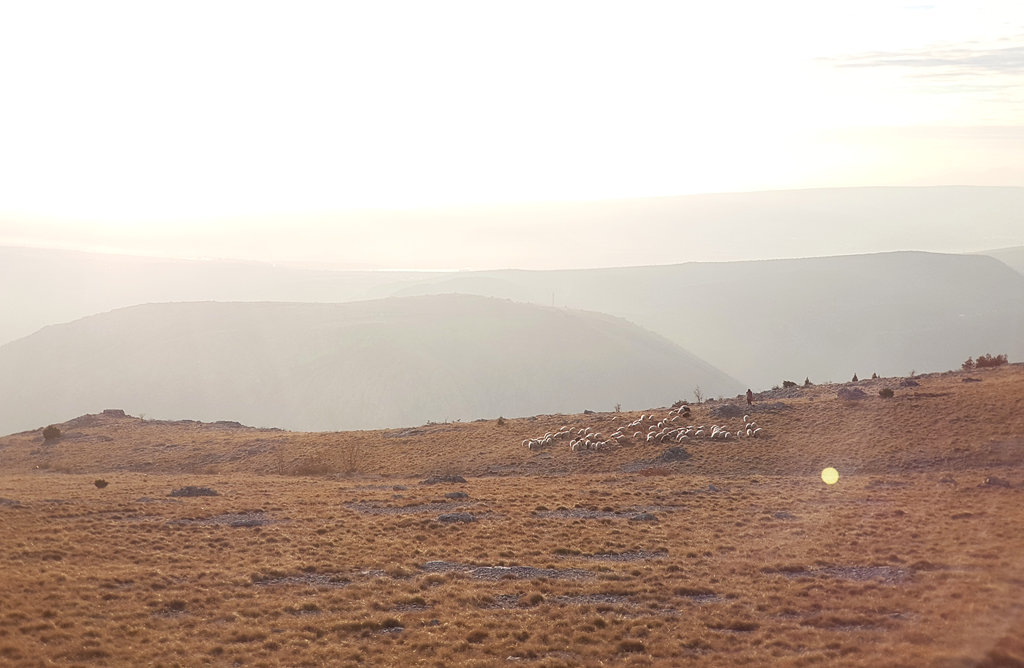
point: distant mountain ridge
(327, 367)
(761, 322)
(59, 286)
(1012, 257)
(774, 320)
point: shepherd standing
(750, 397)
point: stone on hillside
(441, 479)
(456, 517)
(676, 453)
(456, 495)
(192, 490)
(851, 394)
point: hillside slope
(55, 286)
(394, 362)
(826, 318)
(957, 423)
(1012, 257)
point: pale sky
(162, 127)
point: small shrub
(501, 421)
(874, 376)
(854, 380)
(968, 365)
(788, 383)
(52, 433)
(885, 393)
(100, 483)
(807, 382)
(618, 408)
(990, 361)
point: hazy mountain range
(759, 322)
(379, 363)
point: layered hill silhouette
(369, 364)
(761, 322)
(58, 286)
(1013, 257)
(823, 318)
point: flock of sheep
(657, 431)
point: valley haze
(729, 324)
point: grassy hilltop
(330, 548)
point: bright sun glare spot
(830, 476)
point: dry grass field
(333, 549)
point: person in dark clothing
(750, 397)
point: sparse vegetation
(736, 554)
(788, 383)
(501, 421)
(983, 362)
(100, 483)
(52, 433)
(807, 382)
(698, 394)
(885, 393)
(854, 379)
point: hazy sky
(168, 126)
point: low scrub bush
(984, 361)
(51, 433)
(885, 393)
(788, 383)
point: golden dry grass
(325, 549)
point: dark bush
(51, 433)
(968, 365)
(988, 361)
(885, 393)
(100, 483)
(788, 383)
(807, 382)
(854, 380)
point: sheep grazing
(746, 418)
(756, 433)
